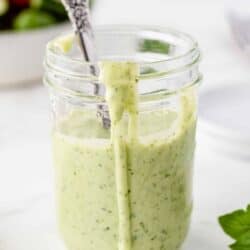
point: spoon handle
(78, 12)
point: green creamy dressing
(127, 188)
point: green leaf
(237, 247)
(236, 223)
(242, 243)
(244, 239)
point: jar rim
(174, 64)
(127, 27)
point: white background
(222, 182)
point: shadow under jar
(157, 165)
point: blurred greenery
(91, 3)
(156, 46)
(31, 18)
(148, 70)
(31, 15)
(4, 6)
(50, 6)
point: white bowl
(21, 54)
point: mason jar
(147, 203)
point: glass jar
(146, 202)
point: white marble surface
(26, 218)
(221, 182)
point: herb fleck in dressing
(128, 188)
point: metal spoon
(78, 12)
